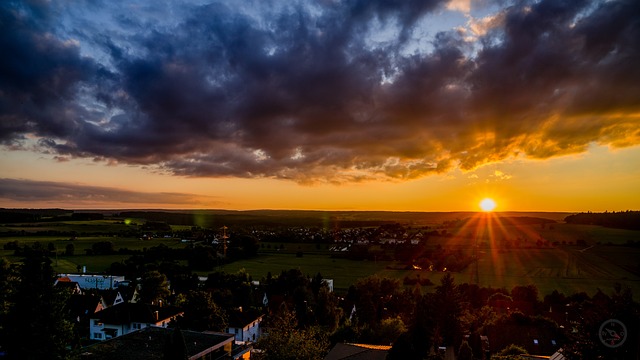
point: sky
(402, 105)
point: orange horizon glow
(599, 181)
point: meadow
(565, 257)
(567, 269)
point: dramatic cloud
(328, 91)
(28, 191)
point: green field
(69, 226)
(598, 262)
(94, 263)
(565, 270)
(568, 270)
(344, 272)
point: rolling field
(344, 272)
(598, 262)
(568, 270)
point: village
(232, 316)
(174, 301)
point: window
(97, 335)
(96, 322)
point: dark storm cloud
(318, 91)
(39, 74)
(45, 191)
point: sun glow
(487, 204)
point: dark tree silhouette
(201, 313)
(154, 287)
(38, 311)
(621, 220)
(286, 342)
(448, 310)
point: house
(111, 297)
(329, 283)
(89, 281)
(358, 351)
(81, 308)
(245, 325)
(156, 343)
(124, 318)
(84, 306)
(72, 286)
(117, 296)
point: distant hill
(30, 215)
(320, 217)
(513, 220)
(8, 216)
(629, 220)
(309, 218)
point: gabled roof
(358, 352)
(70, 285)
(83, 305)
(110, 296)
(240, 319)
(127, 313)
(127, 292)
(150, 343)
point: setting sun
(487, 204)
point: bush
(12, 245)
(512, 350)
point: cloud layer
(42, 192)
(329, 91)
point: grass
(69, 226)
(568, 269)
(344, 272)
(94, 264)
(564, 267)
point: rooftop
(151, 342)
(358, 351)
(126, 313)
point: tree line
(629, 220)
